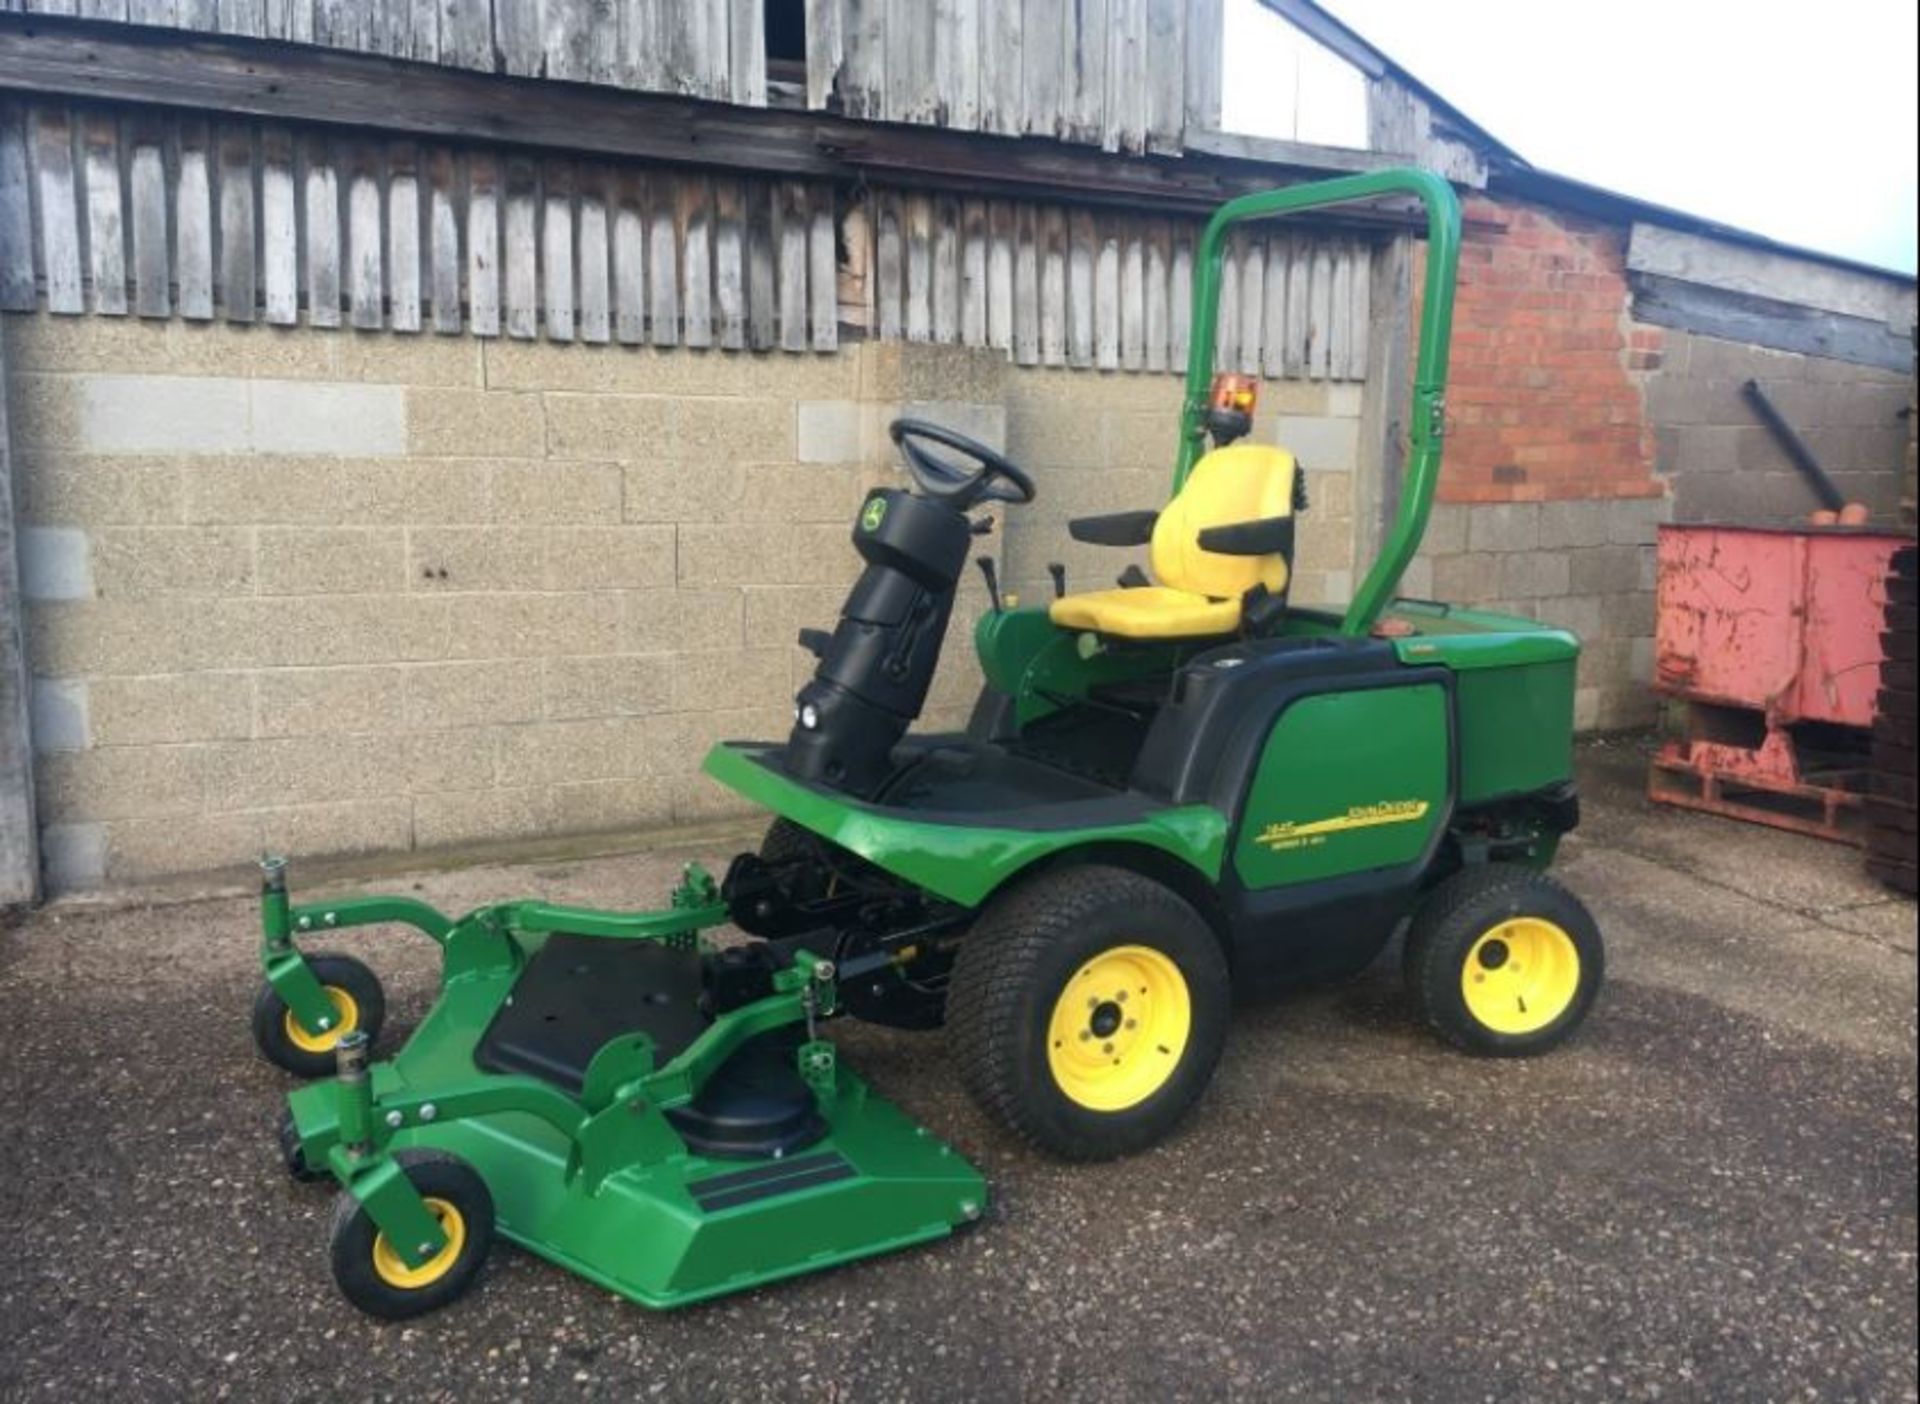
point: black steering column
(876, 667)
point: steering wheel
(994, 479)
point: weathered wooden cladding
(139, 212)
(1126, 75)
(1061, 286)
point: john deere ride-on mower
(1171, 791)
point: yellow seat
(1198, 592)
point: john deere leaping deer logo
(875, 513)
(1313, 832)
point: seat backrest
(1239, 483)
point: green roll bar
(1428, 422)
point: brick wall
(366, 593)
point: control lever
(981, 526)
(992, 574)
(1059, 574)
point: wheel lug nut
(1106, 1048)
(1133, 1023)
(1085, 1034)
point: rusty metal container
(1770, 637)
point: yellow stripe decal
(1361, 816)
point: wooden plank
(484, 198)
(1003, 99)
(466, 34)
(106, 223)
(1001, 237)
(638, 58)
(1133, 299)
(423, 31)
(443, 238)
(1253, 305)
(729, 262)
(1273, 316)
(946, 269)
(854, 278)
(762, 292)
(106, 10)
(1124, 119)
(291, 20)
(1083, 96)
(1048, 40)
(1340, 328)
(1320, 314)
(164, 13)
(746, 51)
(1082, 250)
(973, 273)
(248, 17)
(1166, 76)
(596, 296)
(919, 242)
(863, 65)
(719, 43)
(556, 249)
(1053, 285)
(693, 223)
(341, 24)
(792, 220)
(687, 66)
(1205, 33)
(1362, 312)
(320, 213)
(1159, 272)
(1226, 345)
(519, 32)
(366, 290)
(825, 51)
(147, 193)
(567, 41)
(663, 263)
(519, 257)
(912, 95)
(279, 228)
(823, 300)
(403, 237)
(1180, 303)
(630, 259)
(1106, 297)
(239, 276)
(956, 63)
(1026, 302)
(59, 209)
(889, 266)
(18, 292)
(1299, 307)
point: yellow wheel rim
(1521, 975)
(346, 1018)
(392, 1268)
(1119, 1028)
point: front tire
(375, 1278)
(1503, 961)
(1088, 1009)
(358, 1003)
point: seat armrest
(1268, 536)
(1114, 528)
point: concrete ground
(1710, 1194)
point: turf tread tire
(1454, 915)
(994, 1002)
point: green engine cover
(1347, 782)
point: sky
(1796, 121)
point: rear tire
(1503, 961)
(1088, 1009)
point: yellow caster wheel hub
(346, 1018)
(1521, 975)
(392, 1268)
(1118, 1028)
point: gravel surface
(1710, 1194)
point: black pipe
(1796, 447)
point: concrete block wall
(373, 593)
(351, 594)
(1724, 464)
